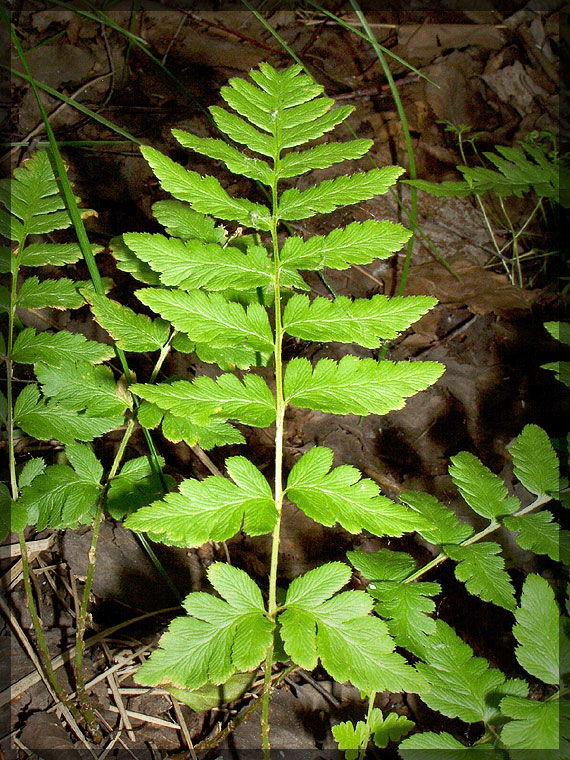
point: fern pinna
(218, 293)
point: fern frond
(356, 386)
(205, 194)
(359, 243)
(363, 321)
(211, 318)
(192, 264)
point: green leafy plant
(75, 399)
(535, 168)
(219, 293)
(461, 685)
(237, 301)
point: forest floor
(495, 73)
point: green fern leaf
(405, 607)
(462, 686)
(363, 321)
(53, 294)
(53, 348)
(441, 189)
(84, 462)
(295, 164)
(444, 527)
(30, 471)
(177, 429)
(130, 331)
(535, 461)
(390, 729)
(53, 254)
(338, 630)
(287, 88)
(212, 509)
(181, 221)
(128, 262)
(561, 371)
(537, 533)
(483, 572)
(137, 485)
(356, 386)
(431, 746)
(560, 331)
(60, 498)
(242, 132)
(205, 194)
(33, 201)
(482, 490)
(229, 359)
(343, 191)
(216, 639)
(193, 264)
(250, 402)
(351, 738)
(211, 319)
(236, 162)
(7, 512)
(215, 433)
(80, 386)
(359, 243)
(306, 122)
(341, 496)
(534, 726)
(45, 421)
(537, 632)
(383, 565)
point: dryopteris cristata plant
(220, 294)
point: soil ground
(497, 73)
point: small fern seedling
(536, 168)
(220, 295)
(75, 400)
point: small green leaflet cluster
(222, 636)
(466, 687)
(461, 685)
(355, 738)
(217, 292)
(514, 174)
(76, 398)
(407, 606)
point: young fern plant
(220, 295)
(538, 169)
(462, 686)
(75, 399)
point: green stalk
(371, 700)
(27, 77)
(275, 34)
(407, 139)
(42, 646)
(491, 528)
(82, 614)
(279, 417)
(41, 642)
